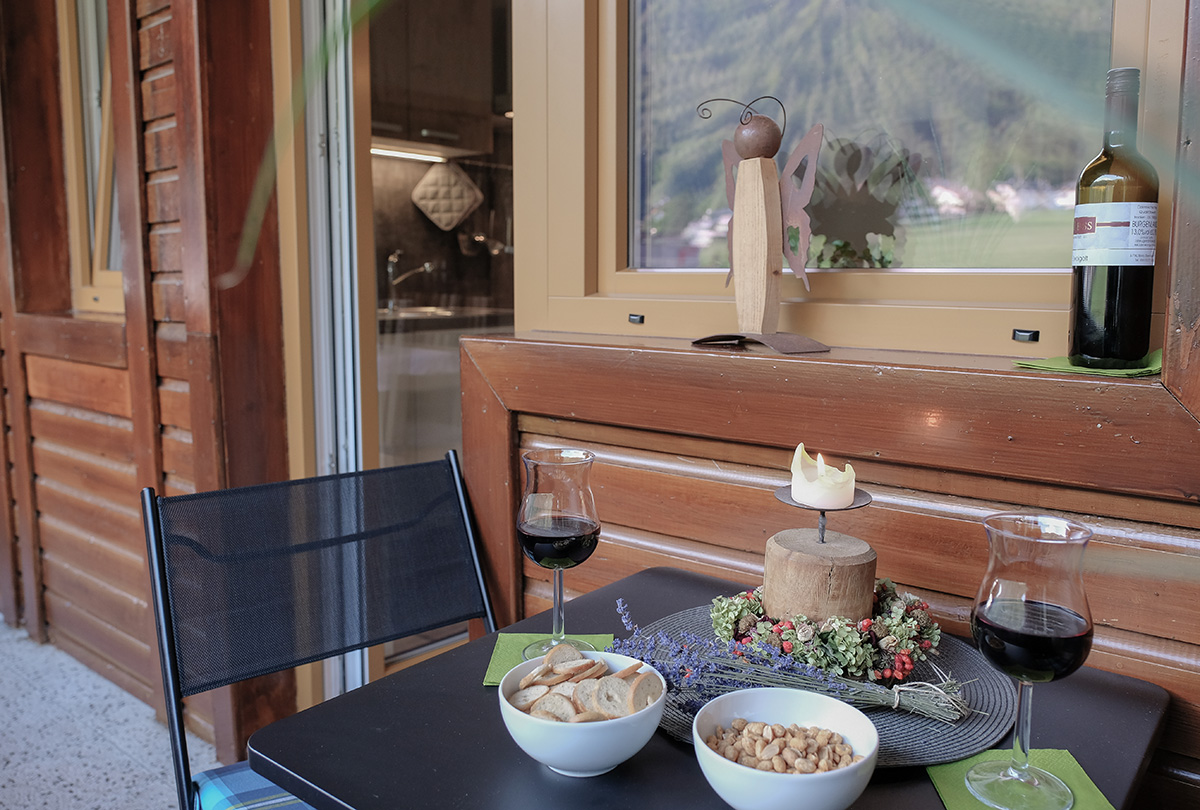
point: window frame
(94, 286)
(570, 155)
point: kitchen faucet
(428, 267)
(393, 280)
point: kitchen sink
(416, 312)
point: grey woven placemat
(904, 739)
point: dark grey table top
(431, 735)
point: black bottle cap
(1123, 80)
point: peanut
(782, 749)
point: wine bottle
(1116, 217)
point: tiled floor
(72, 740)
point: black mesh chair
(254, 580)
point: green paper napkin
(1153, 366)
(948, 779)
(507, 653)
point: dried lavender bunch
(698, 669)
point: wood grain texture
(175, 403)
(106, 436)
(235, 389)
(1182, 340)
(93, 388)
(98, 342)
(168, 297)
(690, 445)
(818, 576)
(757, 250)
(77, 468)
(162, 197)
(492, 480)
(103, 666)
(156, 45)
(119, 524)
(631, 445)
(171, 350)
(38, 261)
(158, 92)
(1128, 436)
(160, 145)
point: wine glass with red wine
(557, 525)
(1031, 621)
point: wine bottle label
(1117, 233)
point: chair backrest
(254, 580)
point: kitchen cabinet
(431, 75)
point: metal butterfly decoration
(758, 136)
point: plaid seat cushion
(236, 787)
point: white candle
(821, 486)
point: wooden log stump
(805, 577)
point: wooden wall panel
(118, 523)
(174, 403)
(76, 467)
(84, 386)
(170, 340)
(168, 298)
(101, 662)
(120, 567)
(113, 651)
(160, 146)
(177, 451)
(98, 342)
(691, 445)
(158, 93)
(162, 197)
(155, 39)
(102, 434)
(94, 596)
(99, 407)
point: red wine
(1116, 219)
(559, 542)
(1031, 641)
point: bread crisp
(561, 654)
(558, 705)
(585, 694)
(573, 668)
(612, 696)
(567, 686)
(594, 672)
(644, 690)
(539, 671)
(523, 699)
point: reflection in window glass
(954, 131)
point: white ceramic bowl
(747, 789)
(579, 749)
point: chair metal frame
(165, 619)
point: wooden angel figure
(764, 207)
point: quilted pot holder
(446, 195)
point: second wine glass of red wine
(557, 526)
(1031, 621)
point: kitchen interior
(441, 161)
(441, 164)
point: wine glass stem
(1020, 749)
(558, 630)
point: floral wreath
(884, 647)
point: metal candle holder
(861, 499)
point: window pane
(954, 131)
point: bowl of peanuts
(778, 749)
(582, 713)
